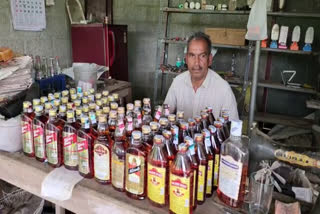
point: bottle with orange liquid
(158, 173)
(216, 145)
(136, 165)
(203, 165)
(27, 131)
(147, 140)
(198, 124)
(233, 167)
(157, 113)
(166, 110)
(210, 115)
(210, 157)
(112, 123)
(129, 128)
(168, 146)
(181, 183)
(175, 137)
(39, 138)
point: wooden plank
(88, 196)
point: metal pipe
(254, 85)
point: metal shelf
(293, 14)
(279, 86)
(276, 50)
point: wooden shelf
(283, 120)
(280, 86)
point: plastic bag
(10, 134)
(257, 23)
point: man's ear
(210, 60)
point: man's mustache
(197, 68)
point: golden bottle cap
(204, 115)
(113, 114)
(85, 108)
(98, 96)
(191, 122)
(26, 104)
(158, 139)
(180, 114)
(137, 103)
(136, 135)
(91, 90)
(48, 105)
(99, 112)
(121, 110)
(115, 96)
(62, 108)
(99, 103)
(172, 117)
(110, 98)
(104, 100)
(198, 137)
(154, 125)
(184, 125)
(72, 91)
(86, 93)
(85, 100)
(84, 119)
(130, 106)
(114, 105)
(38, 108)
(146, 129)
(167, 134)
(52, 112)
(197, 119)
(78, 111)
(106, 109)
(92, 106)
(74, 96)
(36, 102)
(56, 102)
(146, 100)
(70, 114)
(77, 103)
(217, 124)
(65, 93)
(102, 118)
(79, 95)
(50, 97)
(105, 93)
(163, 121)
(57, 95)
(64, 100)
(43, 99)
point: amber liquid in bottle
(102, 153)
(210, 157)
(112, 124)
(136, 168)
(27, 130)
(85, 140)
(147, 138)
(54, 140)
(70, 151)
(158, 174)
(216, 144)
(181, 181)
(211, 116)
(39, 137)
(183, 131)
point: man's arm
(171, 98)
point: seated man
(199, 87)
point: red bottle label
(39, 141)
(52, 145)
(82, 144)
(70, 151)
(27, 139)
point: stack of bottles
(162, 157)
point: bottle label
(135, 172)
(158, 115)
(27, 141)
(209, 177)
(216, 170)
(83, 154)
(195, 174)
(179, 194)
(39, 141)
(101, 162)
(117, 171)
(230, 176)
(52, 144)
(70, 151)
(156, 184)
(201, 183)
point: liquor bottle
(166, 110)
(137, 105)
(112, 123)
(39, 139)
(85, 101)
(158, 173)
(180, 117)
(62, 114)
(164, 124)
(175, 137)
(157, 113)
(43, 100)
(57, 95)
(198, 124)
(119, 148)
(74, 97)
(146, 106)
(106, 110)
(44, 68)
(168, 146)
(57, 68)
(47, 107)
(192, 127)
(98, 96)
(92, 107)
(172, 120)
(56, 103)
(64, 100)
(78, 115)
(91, 98)
(27, 131)
(85, 140)
(37, 66)
(181, 182)
(93, 123)
(216, 145)
(114, 106)
(224, 127)
(203, 165)
(129, 128)
(54, 140)
(154, 128)
(51, 98)
(183, 131)
(147, 138)
(130, 108)
(121, 113)
(210, 115)
(104, 101)
(99, 113)
(225, 114)
(36, 102)
(102, 153)
(51, 68)
(233, 161)
(70, 106)
(220, 133)
(136, 164)
(191, 154)
(204, 120)
(72, 91)
(65, 93)
(69, 134)
(147, 118)
(117, 99)
(137, 120)
(210, 157)
(105, 93)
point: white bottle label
(230, 176)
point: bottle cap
(62, 109)
(121, 110)
(146, 129)
(163, 121)
(38, 108)
(64, 100)
(136, 135)
(167, 134)
(77, 103)
(114, 105)
(221, 119)
(209, 109)
(79, 95)
(65, 93)
(86, 93)
(26, 104)
(78, 111)
(218, 124)
(172, 117)
(106, 109)
(204, 115)
(174, 129)
(48, 105)
(85, 100)
(56, 102)
(70, 114)
(99, 103)
(180, 114)
(91, 97)
(154, 125)
(98, 96)
(197, 119)
(146, 101)
(52, 112)
(74, 96)
(85, 108)
(225, 117)
(91, 91)
(102, 118)
(57, 95)
(236, 128)
(113, 114)
(104, 100)
(99, 112)
(72, 91)
(191, 122)
(36, 102)
(105, 93)
(92, 106)
(70, 106)
(50, 97)
(137, 103)
(43, 99)
(157, 139)
(188, 141)
(130, 106)
(110, 98)
(115, 96)
(184, 125)
(198, 137)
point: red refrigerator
(104, 45)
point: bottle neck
(136, 142)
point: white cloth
(214, 92)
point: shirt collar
(205, 83)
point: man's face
(198, 59)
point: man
(199, 87)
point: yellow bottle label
(27, 141)
(216, 170)
(70, 152)
(101, 162)
(83, 154)
(194, 187)
(201, 182)
(117, 167)
(179, 194)
(52, 144)
(297, 159)
(135, 172)
(156, 184)
(209, 177)
(39, 141)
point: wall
(53, 41)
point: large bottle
(210, 157)
(233, 167)
(102, 153)
(158, 172)
(136, 165)
(85, 140)
(54, 142)
(39, 137)
(216, 145)
(69, 134)
(203, 165)
(27, 130)
(181, 183)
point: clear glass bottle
(130, 108)
(102, 153)
(121, 113)
(168, 145)
(216, 145)
(210, 157)
(69, 134)
(175, 137)
(57, 68)
(192, 127)
(147, 138)
(39, 139)
(172, 120)
(27, 130)
(233, 167)
(210, 115)
(203, 165)
(105, 93)
(181, 182)
(157, 113)
(54, 140)
(147, 118)
(154, 128)
(137, 105)
(44, 68)
(146, 106)
(158, 173)
(164, 124)
(136, 165)
(166, 110)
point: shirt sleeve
(171, 98)
(231, 104)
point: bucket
(85, 75)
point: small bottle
(137, 105)
(166, 110)
(121, 113)
(92, 107)
(233, 161)
(220, 132)
(175, 137)
(129, 128)
(180, 117)
(183, 131)
(158, 173)
(172, 120)
(210, 157)
(146, 106)
(210, 115)
(225, 114)
(27, 130)
(147, 118)
(105, 93)
(192, 127)
(130, 108)
(136, 165)
(168, 146)
(164, 124)
(70, 106)
(69, 134)
(51, 98)
(91, 91)
(225, 129)
(181, 183)
(198, 124)
(157, 113)
(44, 68)
(62, 114)
(154, 128)
(54, 142)
(147, 138)
(112, 123)
(102, 153)
(216, 153)
(202, 173)
(85, 140)
(43, 100)
(39, 139)
(204, 120)
(72, 91)
(137, 120)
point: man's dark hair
(200, 36)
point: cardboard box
(226, 36)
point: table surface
(88, 196)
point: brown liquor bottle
(168, 146)
(27, 131)
(147, 140)
(210, 157)
(39, 137)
